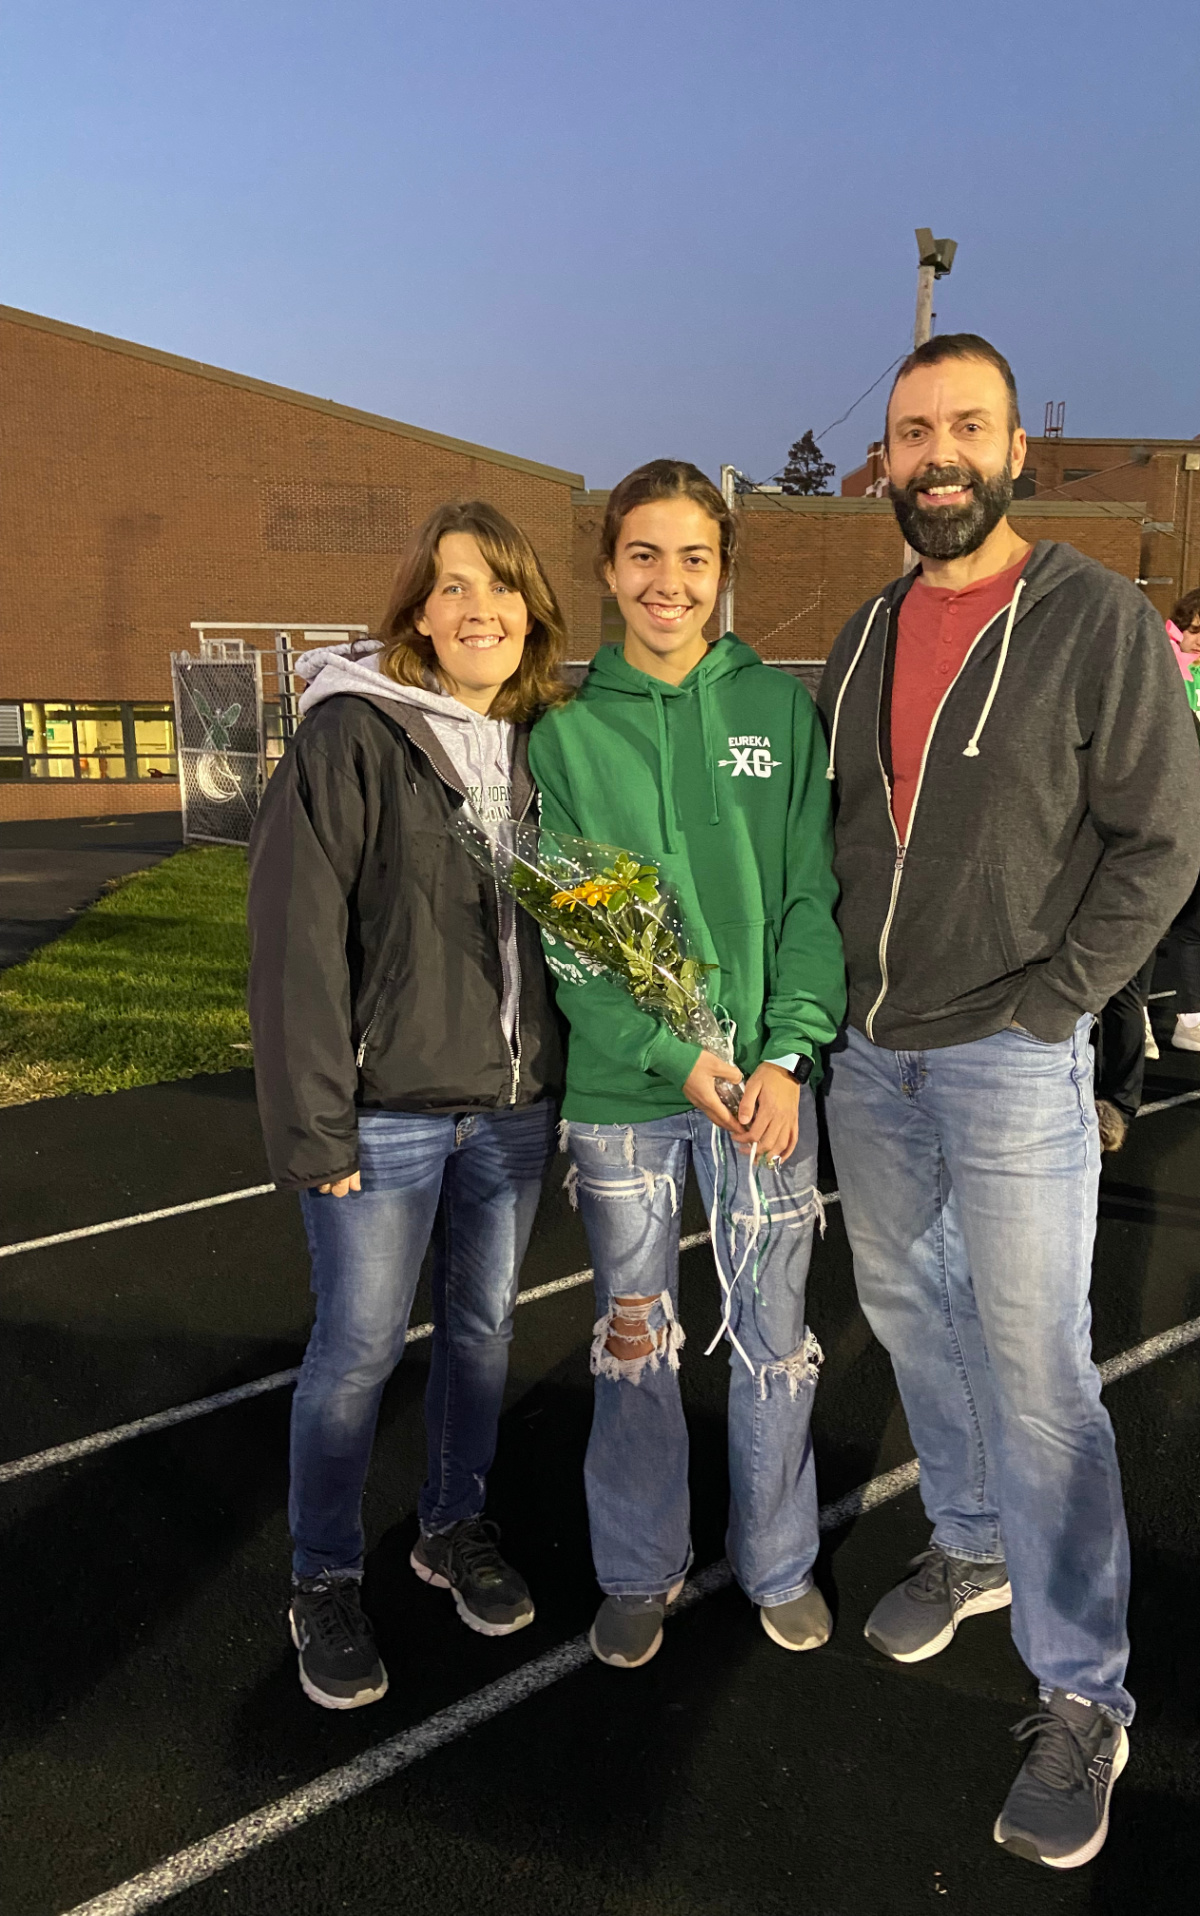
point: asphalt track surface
(149, 1696)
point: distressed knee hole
(625, 1343)
(799, 1370)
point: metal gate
(219, 737)
(236, 708)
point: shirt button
(944, 669)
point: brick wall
(807, 564)
(140, 494)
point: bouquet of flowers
(605, 912)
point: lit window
(154, 741)
(44, 738)
(100, 736)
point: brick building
(1160, 475)
(807, 563)
(143, 492)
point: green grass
(149, 985)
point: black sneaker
(1056, 1812)
(490, 1595)
(919, 1617)
(339, 1664)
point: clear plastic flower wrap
(606, 913)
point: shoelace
(1057, 1758)
(336, 1615)
(474, 1552)
(933, 1581)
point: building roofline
(1103, 439)
(822, 505)
(199, 370)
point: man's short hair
(960, 346)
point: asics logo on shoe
(1100, 1771)
(963, 1592)
(1086, 1701)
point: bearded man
(1017, 787)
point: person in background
(1183, 630)
(1017, 789)
(1123, 1040)
(408, 1059)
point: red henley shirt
(936, 631)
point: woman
(407, 1060)
(704, 760)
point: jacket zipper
(901, 849)
(362, 1043)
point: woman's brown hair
(408, 656)
(666, 479)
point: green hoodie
(721, 782)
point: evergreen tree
(807, 471)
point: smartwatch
(802, 1070)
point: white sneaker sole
(478, 1624)
(635, 1663)
(998, 1599)
(1185, 1044)
(1020, 1846)
(356, 1702)
(785, 1643)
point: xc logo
(754, 761)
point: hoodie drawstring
(972, 749)
(837, 710)
(667, 767)
(710, 755)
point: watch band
(802, 1070)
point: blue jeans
(969, 1180)
(628, 1181)
(472, 1183)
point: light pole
(729, 479)
(935, 257)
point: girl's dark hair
(408, 656)
(1188, 610)
(665, 479)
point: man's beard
(950, 532)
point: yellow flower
(592, 891)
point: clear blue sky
(596, 234)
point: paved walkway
(53, 868)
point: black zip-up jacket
(1055, 829)
(375, 968)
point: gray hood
(480, 749)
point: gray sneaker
(628, 1630)
(919, 1617)
(802, 1624)
(1056, 1812)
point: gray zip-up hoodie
(1052, 836)
(479, 749)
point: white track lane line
(262, 1190)
(1167, 1104)
(139, 1217)
(250, 1833)
(240, 1393)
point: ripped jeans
(628, 1182)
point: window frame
(34, 765)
